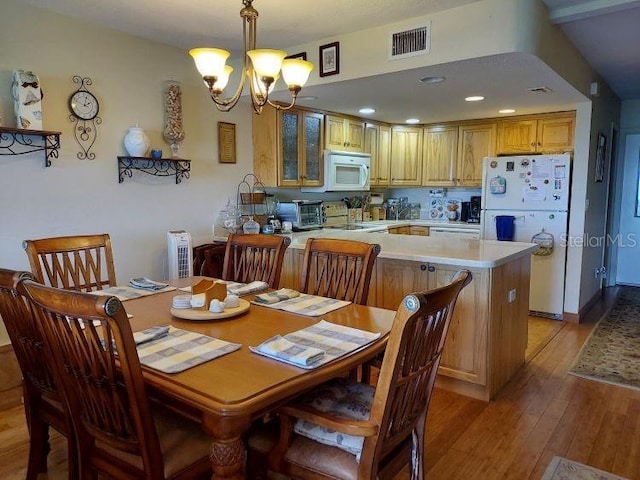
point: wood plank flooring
(541, 413)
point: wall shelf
(158, 167)
(18, 141)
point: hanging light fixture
(262, 67)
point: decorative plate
(205, 315)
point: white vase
(136, 142)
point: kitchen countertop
(464, 252)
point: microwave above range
(344, 172)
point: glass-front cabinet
(288, 146)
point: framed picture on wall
(298, 56)
(600, 157)
(329, 59)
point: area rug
(612, 353)
(563, 469)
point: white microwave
(344, 172)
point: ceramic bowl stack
(182, 301)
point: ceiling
(605, 31)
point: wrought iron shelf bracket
(159, 167)
(18, 141)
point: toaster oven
(303, 214)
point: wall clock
(84, 107)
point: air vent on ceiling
(540, 90)
(414, 41)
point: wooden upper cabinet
(556, 135)
(406, 156)
(546, 134)
(475, 141)
(377, 142)
(288, 148)
(439, 155)
(344, 134)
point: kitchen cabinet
(344, 134)
(406, 156)
(439, 156)
(287, 148)
(547, 134)
(377, 142)
(409, 230)
(475, 141)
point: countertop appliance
(303, 214)
(534, 190)
(475, 209)
(344, 172)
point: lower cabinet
(396, 278)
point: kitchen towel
(334, 340)
(505, 227)
(277, 296)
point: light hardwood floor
(541, 413)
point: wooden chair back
(339, 269)
(208, 259)
(254, 257)
(80, 262)
(98, 369)
(42, 400)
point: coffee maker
(474, 209)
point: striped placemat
(309, 305)
(181, 349)
(129, 293)
(239, 289)
(334, 340)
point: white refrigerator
(534, 190)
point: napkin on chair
(277, 296)
(242, 289)
(279, 348)
(144, 283)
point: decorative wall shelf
(18, 141)
(159, 167)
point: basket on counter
(252, 198)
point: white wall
(81, 196)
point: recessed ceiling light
(367, 110)
(412, 120)
(432, 79)
(475, 98)
(307, 97)
(507, 110)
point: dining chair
(339, 269)
(208, 259)
(79, 262)
(349, 430)
(43, 403)
(119, 433)
(254, 257)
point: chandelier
(263, 69)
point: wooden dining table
(230, 392)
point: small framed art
(329, 59)
(226, 142)
(600, 157)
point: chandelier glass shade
(261, 66)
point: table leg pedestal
(227, 458)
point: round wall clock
(84, 107)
